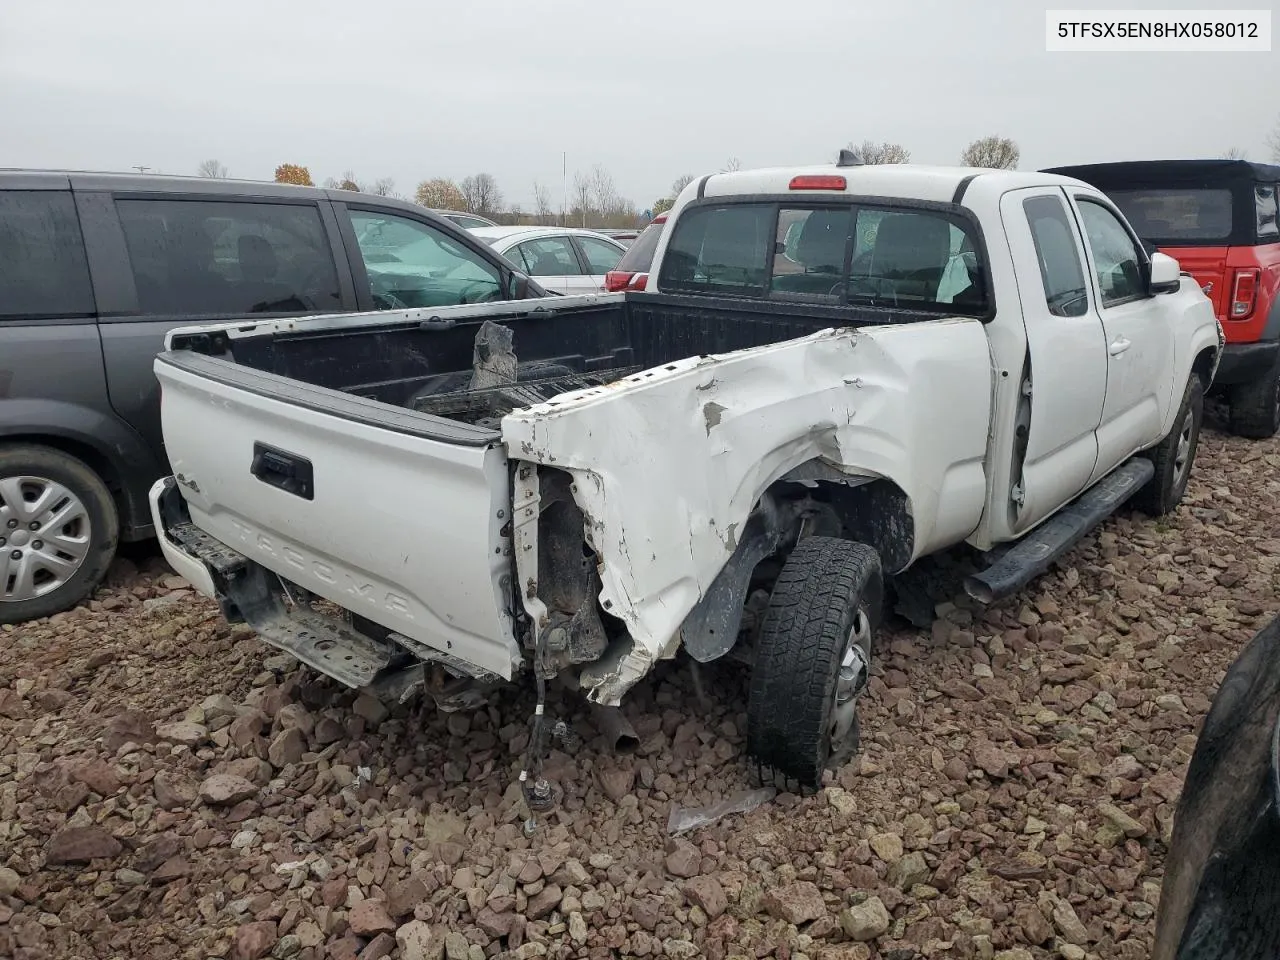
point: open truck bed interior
(463, 369)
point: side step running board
(1031, 556)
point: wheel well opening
(91, 458)
(1203, 366)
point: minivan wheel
(812, 660)
(58, 532)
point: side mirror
(1166, 275)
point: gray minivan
(95, 268)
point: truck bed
(425, 363)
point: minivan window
(875, 255)
(43, 271)
(1174, 215)
(228, 257)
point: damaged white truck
(837, 370)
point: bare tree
(439, 194)
(732, 165)
(213, 169)
(870, 152)
(347, 181)
(544, 215)
(996, 153)
(580, 205)
(679, 183)
(384, 187)
(1235, 153)
(480, 194)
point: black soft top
(1149, 173)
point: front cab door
(1139, 333)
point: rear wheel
(1174, 456)
(58, 531)
(812, 661)
(1255, 406)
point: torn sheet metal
(668, 463)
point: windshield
(639, 255)
(874, 255)
(1175, 215)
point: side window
(1115, 256)
(218, 256)
(43, 273)
(550, 257)
(601, 257)
(1060, 270)
(516, 256)
(1265, 205)
(411, 264)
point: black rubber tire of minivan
(823, 586)
(40, 461)
(1163, 492)
(1255, 406)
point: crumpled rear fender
(669, 463)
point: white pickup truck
(837, 370)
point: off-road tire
(1255, 406)
(823, 587)
(45, 462)
(1163, 492)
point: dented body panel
(669, 464)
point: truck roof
(906, 181)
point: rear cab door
(1067, 346)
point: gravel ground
(169, 787)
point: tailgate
(391, 514)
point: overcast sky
(650, 89)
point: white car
(581, 487)
(564, 259)
(467, 221)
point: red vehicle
(1217, 218)
(632, 271)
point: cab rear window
(874, 255)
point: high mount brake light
(818, 182)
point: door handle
(1119, 346)
(283, 470)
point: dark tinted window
(1116, 258)
(412, 264)
(1264, 203)
(900, 257)
(224, 257)
(43, 273)
(722, 249)
(1060, 270)
(1176, 214)
(639, 255)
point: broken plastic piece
(684, 819)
